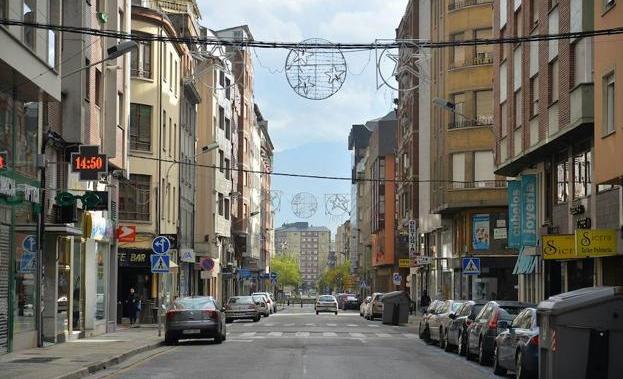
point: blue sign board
(471, 266)
(480, 231)
(244, 273)
(160, 263)
(161, 245)
(528, 206)
(30, 243)
(27, 263)
(514, 214)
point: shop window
(140, 127)
(100, 301)
(134, 198)
(582, 175)
(24, 300)
(562, 179)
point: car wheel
(468, 354)
(497, 369)
(426, 334)
(317, 313)
(228, 320)
(441, 341)
(482, 358)
(168, 340)
(446, 345)
(336, 313)
(461, 344)
(257, 318)
(218, 339)
(520, 370)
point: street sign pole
(158, 304)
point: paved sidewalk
(79, 358)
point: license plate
(191, 331)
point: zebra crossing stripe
(329, 334)
(409, 335)
(373, 326)
(275, 334)
(310, 324)
(383, 335)
(302, 334)
(351, 325)
(270, 324)
(288, 324)
(247, 334)
(331, 324)
(357, 335)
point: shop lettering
(530, 209)
(515, 216)
(138, 258)
(550, 249)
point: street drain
(35, 360)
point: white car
(326, 303)
(269, 300)
(260, 301)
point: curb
(106, 363)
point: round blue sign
(30, 243)
(207, 264)
(161, 245)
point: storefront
(135, 272)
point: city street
(295, 343)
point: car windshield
(510, 312)
(241, 300)
(456, 306)
(194, 303)
(351, 298)
(258, 299)
(326, 298)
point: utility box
(395, 308)
(581, 334)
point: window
(484, 107)
(534, 11)
(518, 109)
(227, 168)
(174, 205)
(227, 209)
(484, 53)
(554, 82)
(141, 60)
(3, 9)
(221, 78)
(87, 80)
(608, 104)
(483, 168)
(221, 161)
(562, 179)
(221, 204)
(221, 118)
(98, 87)
(518, 24)
(162, 188)
(175, 133)
(607, 4)
(534, 96)
(458, 170)
(459, 110)
(227, 128)
(140, 127)
(170, 135)
(228, 89)
(245, 210)
(134, 198)
(29, 15)
(582, 174)
(245, 145)
(170, 71)
(175, 79)
(458, 52)
(164, 130)
(503, 82)
(504, 119)
(582, 64)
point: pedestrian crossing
(354, 335)
(301, 325)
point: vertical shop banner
(528, 206)
(480, 231)
(514, 214)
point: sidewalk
(79, 358)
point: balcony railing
(479, 59)
(458, 4)
(466, 123)
(479, 184)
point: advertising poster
(480, 232)
(514, 214)
(528, 207)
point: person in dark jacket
(133, 304)
(424, 300)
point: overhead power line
(314, 45)
(308, 176)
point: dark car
(456, 331)
(350, 302)
(482, 332)
(194, 317)
(438, 322)
(428, 313)
(517, 346)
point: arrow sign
(126, 233)
(471, 266)
(161, 245)
(159, 264)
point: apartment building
(342, 243)
(267, 231)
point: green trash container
(395, 308)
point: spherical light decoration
(304, 205)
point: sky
(311, 137)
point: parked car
(364, 305)
(270, 300)
(456, 331)
(432, 309)
(517, 346)
(482, 332)
(438, 322)
(261, 302)
(241, 308)
(375, 308)
(350, 301)
(326, 303)
(194, 317)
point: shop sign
(480, 232)
(7, 186)
(500, 234)
(99, 228)
(583, 223)
(577, 208)
(126, 233)
(514, 214)
(595, 242)
(133, 259)
(528, 206)
(560, 246)
(404, 263)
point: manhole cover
(35, 360)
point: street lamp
(205, 149)
(114, 52)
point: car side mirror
(471, 317)
(503, 325)
(223, 309)
(452, 316)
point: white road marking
(329, 334)
(383, 335)
(331, 324)
(247, 334)
(288, 324)
(357, 335)
(374, 326)
(310, 324)
(275, 334)
(351, 325)
(409, 335)
(270, 324)
(302, 334)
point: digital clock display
(3, 160)
(88, 162)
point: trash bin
(581, 334)
(395, 308)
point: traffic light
(3, 160)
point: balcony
(479, 184)
(482, 120)
(461, 195)
(582, 105)
(458, 4)
(481, 58)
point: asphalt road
(295, 343)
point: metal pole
(158, 304)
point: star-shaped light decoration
(305, 84)
(408, 66)
(335, 74)
(301, 56)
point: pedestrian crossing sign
(471, 266)
(159, 264)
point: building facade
(342, 243)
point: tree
(338, 279)
(287, 269)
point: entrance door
(5, 247)
(77, 289)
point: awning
(525, 263)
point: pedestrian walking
(424, 300)
(133, 304)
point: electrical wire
(400, 44)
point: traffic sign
(423, 260)
(161, 245)
(404, 262)
(30, 243)
(207, 264)
(396, 278)
(126, 233)
(187, 255)
(27, 263)
(471, 266)
(159, 263)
